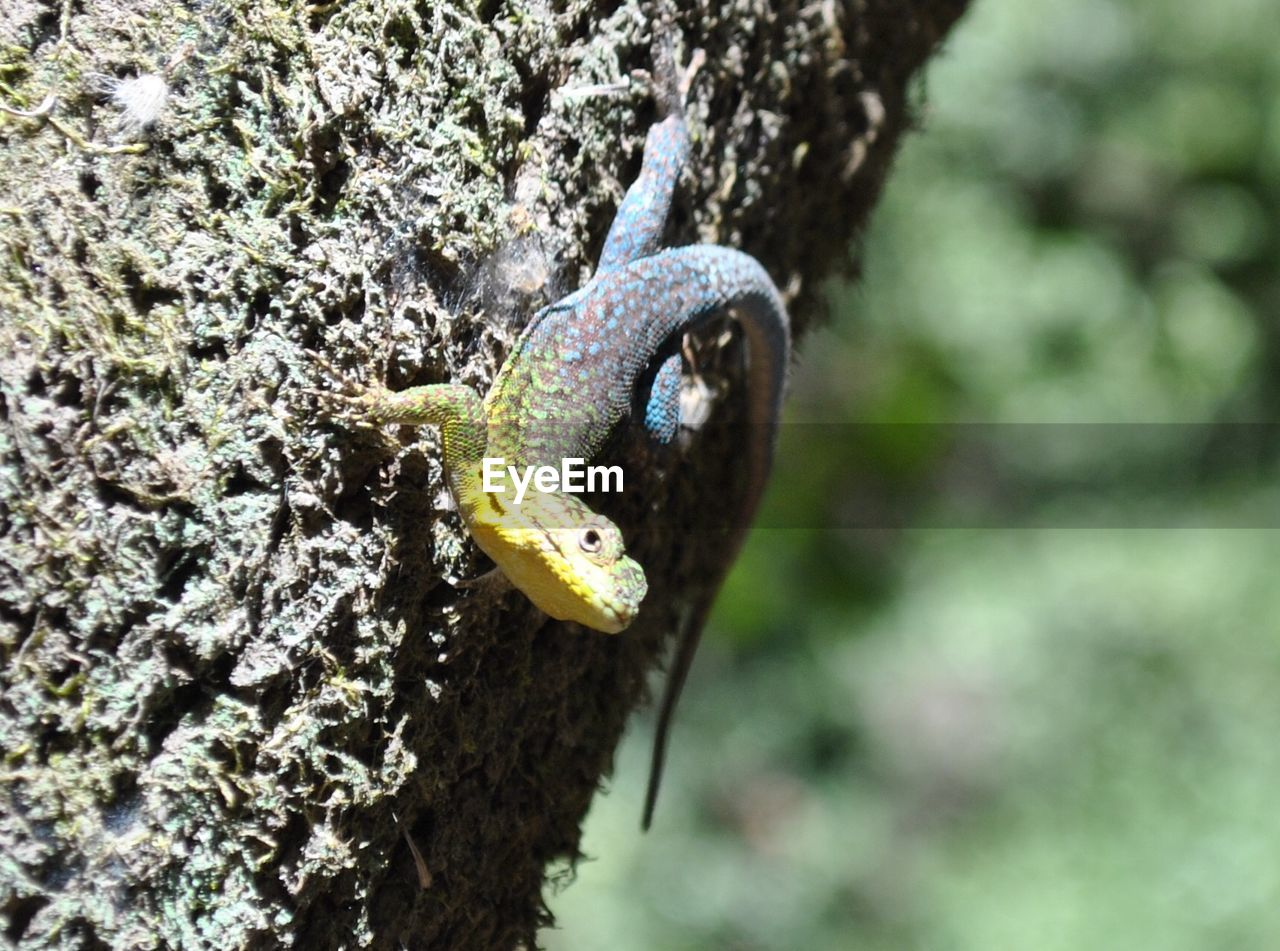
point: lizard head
(569, 561)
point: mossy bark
(240, 676)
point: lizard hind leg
(662, 410)
(637, 226)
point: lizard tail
(686, 648)
(760, 313)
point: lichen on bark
(239, 673)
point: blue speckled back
(574, 373)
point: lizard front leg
(456, 409)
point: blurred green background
(1034, 700)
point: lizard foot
(348, 400)
(670, 81)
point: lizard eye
(591, 541)
(600, 540)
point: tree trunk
(242, 683)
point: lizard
(575, 373)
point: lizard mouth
(630, 587)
